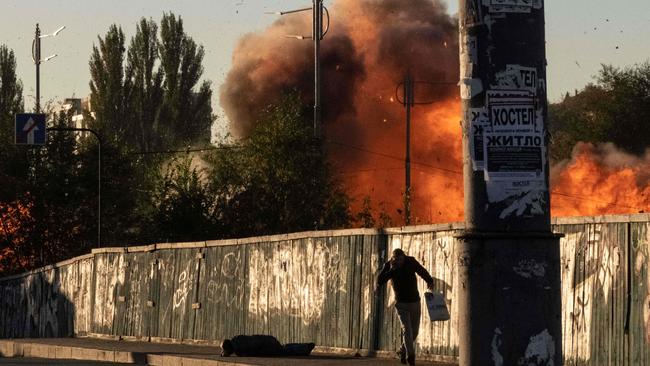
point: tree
(146, 85)
(145, 102)
(184, 205)
(109, 94)
(62, 208)
(186, 114)
(12, 160)
(627, 105)
(154, 100)
(17, 252)
(11, 89)
(364, 217)
(277, 180)
(614, 109)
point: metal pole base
(510, 298)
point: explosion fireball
(370, 47)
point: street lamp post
(36, 57)
(318, 33)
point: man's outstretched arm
(423, 273)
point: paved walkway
(163, 354)
(22, 361)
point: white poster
(514, 149)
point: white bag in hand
(436, 306)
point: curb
(11, 349)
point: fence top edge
(604, 219)
(61, 264)
(577, 220)
(425, 228)
(294, 236)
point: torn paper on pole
(479, 121)
(514, 149)
(512, 6)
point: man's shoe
(411, 360)
(402, 356)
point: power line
(353, 172)
(580, 198)
(388, 156)
(594, 200)
(394, 157)
(202, 149)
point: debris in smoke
(370, 46)
(369, 49)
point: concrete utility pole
(409, 100)
(509, 259)
(317, 36)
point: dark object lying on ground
(263, 346)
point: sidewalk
(163, 354)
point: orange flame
(372, 46)
(601, 180)
(436, 165)
(598, 180)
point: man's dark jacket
(403, 279)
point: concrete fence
(319, 287)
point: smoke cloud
(370, 47)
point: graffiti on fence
(226, 285)
(180, 295)
(642, 272)
(295, 280)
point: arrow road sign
(30, 129)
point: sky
(581, 35)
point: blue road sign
(30, 129)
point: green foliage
(277, 180)
(628, 105)
(148, 97)
(384, 218)
(108, 91)
(153, 100)
(126, 183)
(12, 160)
(364, 217)
(11, 89)
(614, 109)
(186, 114)
(184, 205)
(146, 85)
(145, 98)
(59, 195)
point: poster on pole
(514, 150)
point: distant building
(77, 107)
